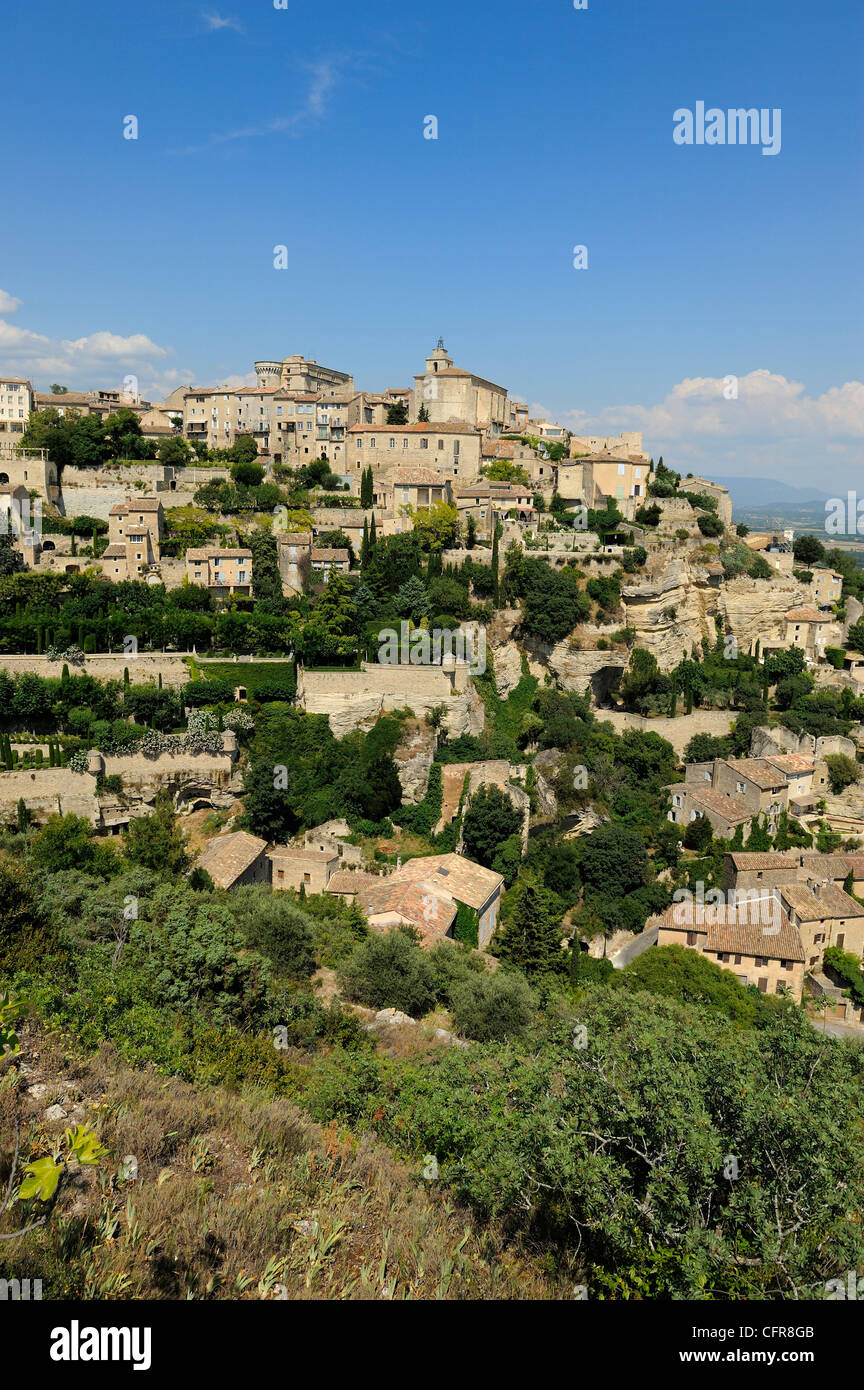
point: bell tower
(439, 359)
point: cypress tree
(496, 593)
(373, 539)
(364, 544)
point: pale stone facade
(450, 393)
(17, 400)
(755, 941)
(451, 449)
(223, 572)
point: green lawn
(250, 674)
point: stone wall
(678, 731)
(143, 669)
(355, 699)
(192, 779)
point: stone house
(773, 869)
(450, 450)
(296, 866)
(451, 393)
(454, 877)
(690, 800)
(224, 572)
(826, 586)
(754, 939)
(236, 859)
(410, 487)
(811, 631)
(487, 502)
(824, 916)
(135, 531)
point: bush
(390, 971)
(276, 926)
(842, 771)
(492, 1007)
(197, 693)
(710, 525)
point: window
(405, 442)
(392, 443)
(440, 443)
(621, 468)
(372, 443)
(424, 443)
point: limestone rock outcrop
(413, 759)
(672, 611)
(755, 609)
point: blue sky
(303, 127)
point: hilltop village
(350, 738)
(229, 563)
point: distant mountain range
(769, 492)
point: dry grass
(236, 1196)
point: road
(634, 948)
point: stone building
(449, 449)
(30, 469)
(410, 487)
(811, 631)
(753, 939)
(450, 394)
(690, 800)
(589, 481)
(825, 916)
(304, 374)
(715, 490)
(826, 586)
(301, 866)
(627, 444)
(135, 531)
(17, 400)
(489, 502)
(455, 879)
(223, 572)
(235, 860)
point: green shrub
(492, 1007)
(390, 971)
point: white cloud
(8, 303)
(218, 21)
(97, 359)
(772, 425)
(323, 80)
(111, 347)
